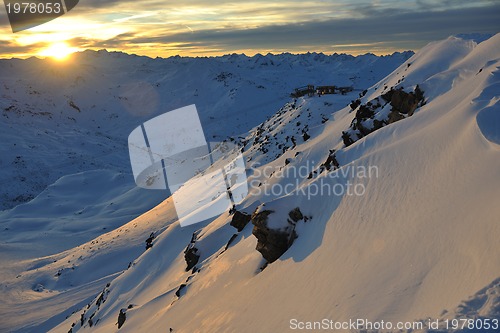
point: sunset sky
(199, 28)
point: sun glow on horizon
(59, 51)
(198, 28)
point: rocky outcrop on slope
(192, 257)
(392, 106)
(191, 254)
(274, 240)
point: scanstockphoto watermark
(354, 325)
(455, 324)
(350, 180)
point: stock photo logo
(169, 152)
(26, 14)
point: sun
(59, 51)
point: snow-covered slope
(415, 238)
(65, 166)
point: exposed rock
(364, 112)
(347, 139)
(377, 124)
(100, 300)
(394, 116)
(191, 256)
(149, 241)
(331, 161)
(403, 102)
(296, 215)
(355, 104)
(367, 120)
(240, 220)
(273, 243)
(121, 318)
(74, 106)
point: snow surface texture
(421, 242)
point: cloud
(396, 30)
(21, 50)
(163, 28)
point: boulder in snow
(274, 236)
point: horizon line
(269, 53)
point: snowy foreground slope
(416, 237)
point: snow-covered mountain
(379, 204)
(94, 101)
(65, 166)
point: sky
(206, 28)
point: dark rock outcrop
(273, 243)
(296, 215)
(74, 106)
(121, 318)
(149, 241)
(331, 160)
(192, 257)
(240, 220)
(367, 120)
(347, 139)
(355, 104)
(402, 102)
